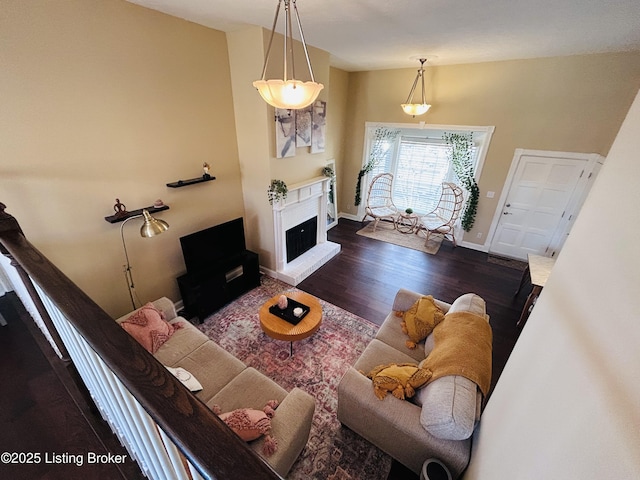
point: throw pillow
(469, 302)
(401, 379)
(148, 327)
(449, 407)
(250, 424)
(420, 320)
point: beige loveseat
(438, 421)
(229, 383)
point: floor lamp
(150, 228)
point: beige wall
(566, 405)
(573, 104)
(337, 114)
(254, 147)
(104, 99)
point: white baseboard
(349, 216)
(474, 246)
(268, 272)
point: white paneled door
(544, 193)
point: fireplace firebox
(301, 238)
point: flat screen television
(209, 248)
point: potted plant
(277, 191)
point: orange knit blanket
(462, 347)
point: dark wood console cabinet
(204, 294)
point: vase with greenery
(461, 156)
(277, 191)
(381, 138)
(328, 172)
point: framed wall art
(285, 132)
(318, 126)
(303, 126)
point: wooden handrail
(211, 447)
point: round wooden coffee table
(280, 329)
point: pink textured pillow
(250, 424)
(148, 327)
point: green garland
(380, 137)
(461, 156)
(361, 173)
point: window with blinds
(419, 166)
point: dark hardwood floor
(41, 410)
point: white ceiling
(377, 34)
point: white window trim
(482, 133)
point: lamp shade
(288, 92)
(415, 108)
(292, 94)
(152, 226)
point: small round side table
(407, 222)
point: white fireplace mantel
(304, 200)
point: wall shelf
(122, 218)
(191, 181)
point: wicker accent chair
(443, 218)
(379, 200)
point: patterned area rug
(385, 232)
(318, 363)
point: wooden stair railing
(208, 445)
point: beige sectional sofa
(230, 384)
(437, 422)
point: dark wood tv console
(228, 279)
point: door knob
(508, 205)
(507, 213)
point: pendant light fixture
(288, 93)
(411, 108)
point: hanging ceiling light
(287, 93)
(411, 108)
